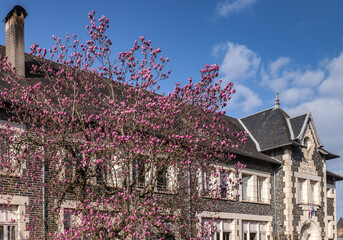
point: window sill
(305, 204)
(232, 199)
(255, 202)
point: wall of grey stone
(330, 207)
(279, 207)
(298, 157)
(298, 210)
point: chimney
(14, 28)
(277, 102)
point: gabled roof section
(297, 124)
(269, 128)
(302, 122)
(248, 149)
(273, 128)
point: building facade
(289, 192)
(285, 189)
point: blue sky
(263, 46)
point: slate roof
(269, 128)
(335, 175)
(273, 128)
(340, 224)
(297, 124)
(249, 148)
(30, 79)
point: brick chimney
(14, 28)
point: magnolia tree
(107, 156)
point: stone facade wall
(300, 164)
(330, 207)
(278, 216)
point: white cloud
(310, 78)
(239, 63)
(244, 99)
(219, 48)
(333, 85)
(296, 95)
(277, 82)
(275, 66)
(280, 76)
(228, 7)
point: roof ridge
(271, 108)
(258, 148)
(299, 115)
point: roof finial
(277, 102)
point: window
(223, 185)
(67, 218)
(256, 188)
(205, 181)
(226, 236)
(260, 189)
(8, 232)
(112, 174)
(8, 222)
(215, 236)
(12, 220)
(217, 229)
(301, 190)
(10, 162)
(245, 181)
(254, 230)
(162, 180)
(138, 173)
(245, 236)
(70, 218)
(313, 192)
(10, 148)
(253, 236)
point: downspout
(43, 196)
(190, 200)
(43, 192)
(275, 215)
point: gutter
(294, 143)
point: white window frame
(218, 230)
(211, 186)
(20, 221)
(251, 178)
(246, 185)
(12, 151)
(302, 190)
